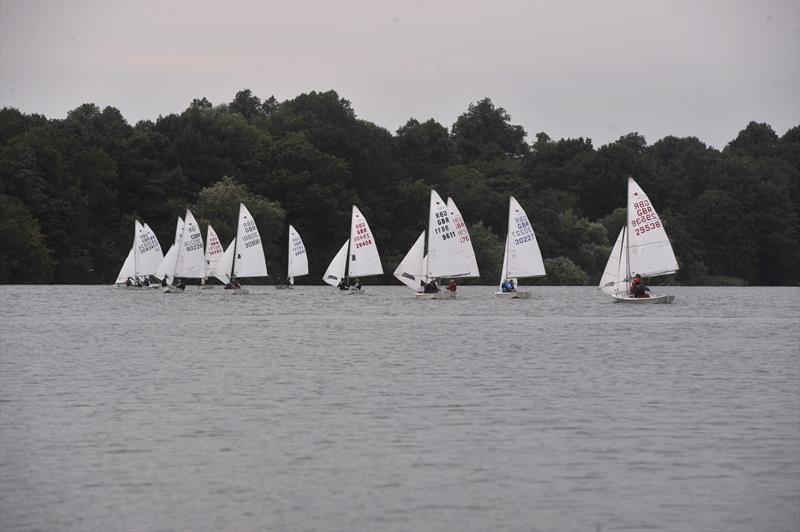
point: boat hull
(512, 295)
(652, 300)
(443, 294)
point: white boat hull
(512, 295)
(652, 300)
(442, 294)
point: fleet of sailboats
(442, 252)
(642, 247)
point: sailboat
(167, 264)
(642, 247)
(449, 251)
(214, 252)
(522, 257)
(244, 257)
(189, 257)
(143, 258)
(297, 264)
(358, 257)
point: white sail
(128, 269)
(335, 271)
(410, 270)
(364, 258)
(298, 260)
(249, 260)
(190, 261)
(222, 270)
(649, 250)
(149, 252)
(178, 229)
(442, 245)
(167, 264)
(522, 257)
(614, 276)
(465, 255)
(214, 251)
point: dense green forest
(70, 189)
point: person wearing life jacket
(638, 288)
(451, 286)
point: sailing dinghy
(297, 264)
(143, 258)
(214, 252)
(358, 257)
(167, 264)
(522, 257)
(189, 257)
(449, 252)
(244, 257)
(642, 247)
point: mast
(347, 257)
(236, 241)
(178, 252)
(627, 255)
(508, 237)
(135, 253)
(289, 278)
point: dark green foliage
(70, 189)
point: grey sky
(592, 69)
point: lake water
(307, 410)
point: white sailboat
(522, 257)
(143, 258)
(244, 257)
(358, 257)
(189, 258)
(214, 252)
(642, 247)
(449, 251)
(167, 264)
(297, 264)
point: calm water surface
(306, 410)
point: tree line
(71, 188)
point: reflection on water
(309, 410)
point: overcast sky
(570, 69)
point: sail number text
(524, 232)
(647, 219)
(362, 237)
(250, 237)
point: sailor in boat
(508, 286)
(432, 287)
(164, 281)
(342, 284)
(137, 282)
(180, 285)
(128, 282)
(146, 282)
(638, 288)
(451, 286)
(357, 284)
